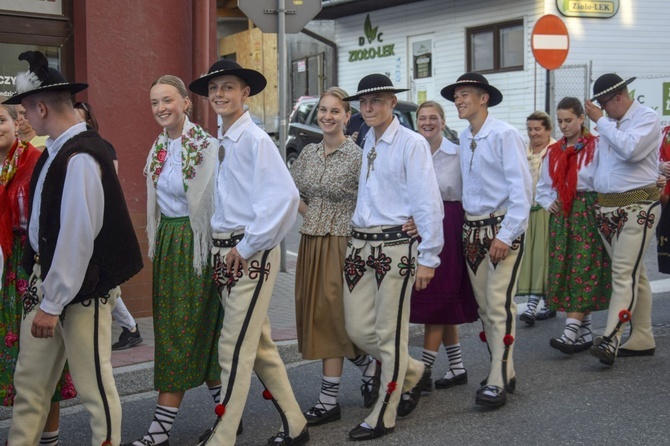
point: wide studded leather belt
(384, 234)
(485, 222)
(228, 242)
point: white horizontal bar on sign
(550, 42)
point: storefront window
(10, 65)
(495, 47)
(52, 7)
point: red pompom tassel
(219, 410)
(390, 387)
(482, 336)
(267, 395)
(508, 340)
(624, 316)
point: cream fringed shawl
(199, 162)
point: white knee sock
(216, 393)
(330, 386)
(368, 366)
(571, 328)
(49, 438)
(455, 360)
(159, 431)
(428, 357)
(584, 334)
(532, 304)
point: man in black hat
(496, 200)
(397, 181)
(256, 203)
(81, 246)
(628, 153)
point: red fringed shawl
(564, 164)
(665, 153)
(14, 184)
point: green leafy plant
(370, 32)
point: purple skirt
(449, 298)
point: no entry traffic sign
(550, 42)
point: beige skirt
(319, 308)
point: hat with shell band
(476, 80)
(224, 67)
(374, 83)
(609, 83)
(40, 77)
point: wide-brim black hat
(374, 83)
(476, 80)
(224, 67)
(609, 83)
(40, 77)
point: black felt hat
(40, 77)
(374, 83)
(476, 80)
(224, 67)
(608, 83)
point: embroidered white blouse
(170, 193)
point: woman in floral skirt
(18, 160)
(180, 174)
(579, 277)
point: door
(420, 57)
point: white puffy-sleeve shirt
(628, 150)
(401, 185)
(254, 190)
(499, 178)
(448, 171)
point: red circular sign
(550, 42)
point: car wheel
(290, 158)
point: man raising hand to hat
(625, 179)
(255, 205)
(397, 181)
(496, 200)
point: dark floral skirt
(579, 278)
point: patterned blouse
(329, 186)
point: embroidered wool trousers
(626, 232)
(246, 344)
(494, 285)
(379, 277)
(83, 336)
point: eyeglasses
(602, 103)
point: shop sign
(370, 42)
(603, 9)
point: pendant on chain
(372, 154)
(473, 146)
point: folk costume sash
(198, 159)
(564, 164)
(14, 184)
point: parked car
(303, 128)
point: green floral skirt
(187, 312)
(580, 278)
(14, 284)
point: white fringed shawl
(199, 163)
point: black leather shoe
(627, 353)
(605, 351)
(491, 396)
(301, 439)
(545, 314)
(527, 317)
(582, 347)
(360, 433)
(407, 406)
(510, 387)
(562, 346)
(318, 415)
(457, 380)
(370, 395)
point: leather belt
(386, 234)
(227, 243)
(492, 221)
